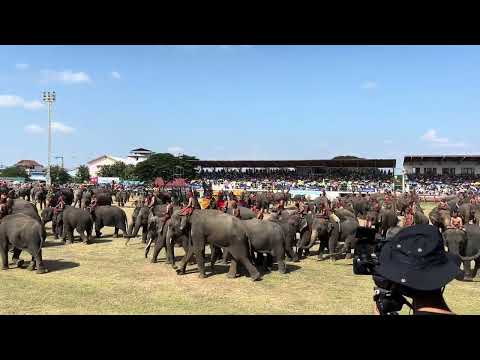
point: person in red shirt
(456, 221)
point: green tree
(59, 175)
(14, 171)
(163, 165)
(118, 169)
(83, 174)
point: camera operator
(412, 264)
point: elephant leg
(213, 257)
(280, 256)
(225, 256)
(130, 228)
(475, 268)
(16, 257)
(293, 256)
(241, 255)
(144, 233)
(184, 261)
(170, 253)
(81, 232)
(69, 234)
(4, 254)
(98, 227)
(232, 271)
(199, 254)
(467, 268)
(41, 269)
(115, 234)
(156, 250)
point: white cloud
(22, 66)
(369, 85)
(13, 101)
(176, 150)
(62, 128)
(115, 75)
(34, 129)
(57, 127)
(431, 137)
(67, 77)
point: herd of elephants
(281, 236)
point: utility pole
(49, 98)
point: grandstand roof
(351, 163)
(414, 158)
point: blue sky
(240, 102)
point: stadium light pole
(49, 98)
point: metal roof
(350, 163)
(414, 158)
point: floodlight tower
(49, 98)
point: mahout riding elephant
(107, 215)
(73, 218)
(217, 229)
(104, 198)
(465, 244)
(440, 218)
(22, 232)
(330, 234)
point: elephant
(360, 206)
(344, 214)
(388, 219)
(77, 197)
(466, 212)
(476, 216)
(39, 195)
(465, 244)
(292, 223)
(107, 215)
(420, 218)
(22, 232)
(122, 198)
(72, 219)
(104, 199)
(86, 199)
(245, 213)
(67, 194)
(330, 234)
(24, 193)
(157, 233)
(267, 237)
(20, 206)
(217, 229)
(48, 214)
(440, 218)
(139, 219)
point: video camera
(366, 256)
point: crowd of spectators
(440, 185)
(361, 180)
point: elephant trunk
(313, 238)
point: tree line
(163, 165)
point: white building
(442, 165)
(136, 156)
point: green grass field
(108, 277)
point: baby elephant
(22, 232)
(77, 219)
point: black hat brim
(427, 279)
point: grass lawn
(108, 277)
